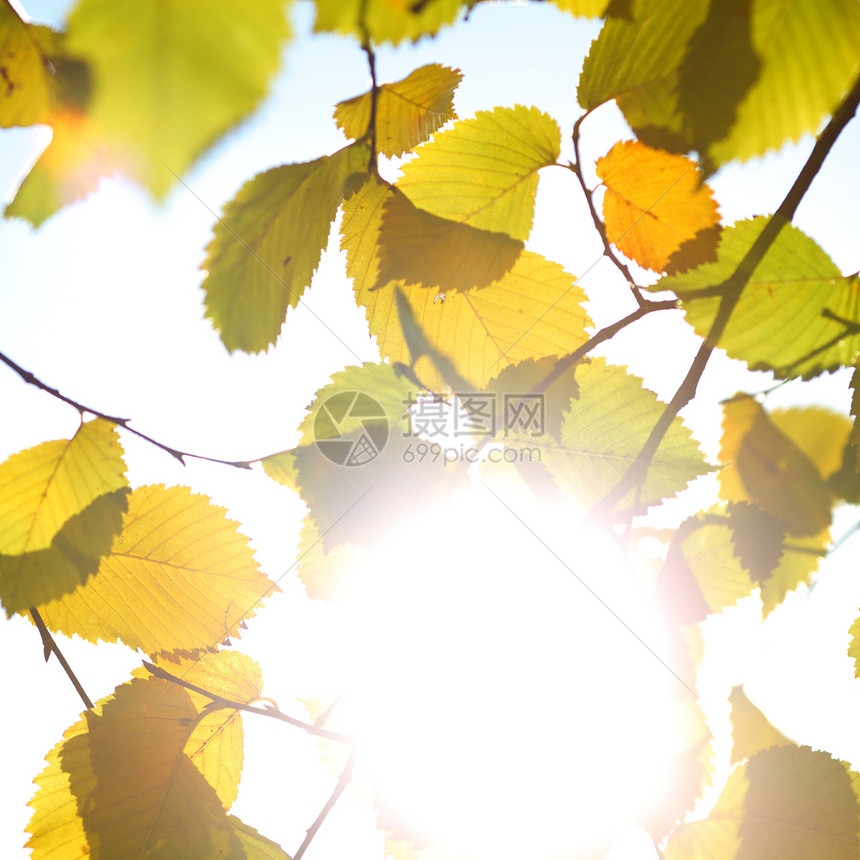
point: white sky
(103, 303)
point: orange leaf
(654, 202)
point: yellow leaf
(215, 747)
(407, 112)
(42, 487)
(179, 577)
(532, 311)
(61, 503)
(751, 730)
(28, 89)
(121, 785)
(654, 202)
(766, 467)
(483, 171)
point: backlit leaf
(786, 801)
(854, 646)
(28, 89)
(179, 577)
(215, 747)
(267, 245)
(758, 538)
(767, 467)
(483, 171)
(800, 559)
(583, 8)
(729, 80)
(407, 112)
(356, 466)
(254, 844)
(324, 571)
(797, 314)
(170, 78)
(385, 20)
(60, 507)
(751, 729)
(533, 311)
(123, 770)
(855, 410)
(654, 202)
(603, 432)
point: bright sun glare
(501, 709)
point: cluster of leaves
(458, 304)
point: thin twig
(120, 422)
(566, 361)
(342, 783)
(51, 647)
(273, 712)
(731, 289)
(576, 167)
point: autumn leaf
(812, 310)
(654, 202)
(216, 745)
(178, 578)
(407, 112)
(268, 243)
(583, 8)
(122, 781)
(484, 171)
(532, 311)
(61, 504)
(751, 730)
(786, 801)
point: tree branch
(732, 287)
(50, 646)
(342, 783)
(120, 422)
(273, 712)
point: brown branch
(342, 783)
(50, 646)
(733, 287)
(273, 712)
(576, 167)
(120, 422)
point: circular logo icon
(351, 428)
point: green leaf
(787, 801)
(751, 730)
(254, 844)
(407, 112)
(730, 80)
(855, 410)
(531, 311)
(166, 87)
(483, 171)
(811, 324)
(121, 783)
(178, 578)
(385, 20)
(758, 539)
(268, 243)
(29, 90)
(603, 432)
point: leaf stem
(272, 712)
(31, 379)
(342, 782)
(733, 287)
(51, 647)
